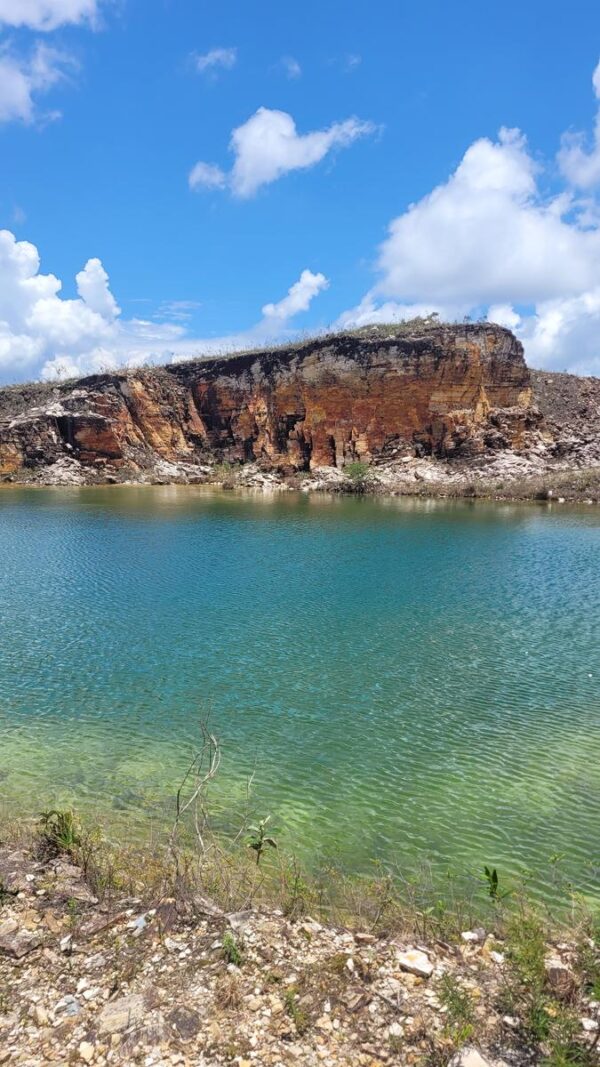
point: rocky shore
(93, 975)
(418, 408)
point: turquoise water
(409, 679)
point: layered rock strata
(374, 395)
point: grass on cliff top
(416, 327)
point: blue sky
(107, 109)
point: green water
(409, 679)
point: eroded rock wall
(375, 395)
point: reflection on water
(409, 677)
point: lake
(408, 679)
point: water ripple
(411, 679)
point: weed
(73, 912)
(228, 993)
(491, 879)
(232, 951)
(358, 475)
(460, 1012)
(299, 893)
(258, 841)
(61, 831)
(295, 1012)
(587, 964)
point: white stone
(415, 962)
(473, 935)
(470, 1057)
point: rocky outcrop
(375, 395)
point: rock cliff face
(375, 395)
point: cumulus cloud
(488, 236)
(580, 166)
(24, 78)
(47, 14)
(206, 176)
(268, 146)
(299, 296)
(490, 241)
(36, 324)
(224, 58)
(43, 334)
(93, 288)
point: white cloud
(36, 324)
(177, 310)
(580, 166)
(23, 79)
(488, 236)
(371, 311)
(210, 62)
(563, 334)
(491, 241)
(291, 67)
(299, 296)
(45, 335)
(268, 146)
(504, 315)
(47, 14)
(206, 176)
(92, 286)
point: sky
(179, 178)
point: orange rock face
(447, 390)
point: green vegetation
(232, 952)
(358, 475)
(460, 1010)
(546, 1015)
(298, 1016)
(61, 831)
(259, 841)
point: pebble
(473, 935)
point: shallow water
(409, 679)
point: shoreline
(577, 486)
(197, 958)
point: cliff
(375, 395)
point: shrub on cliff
(358, 475)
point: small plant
(295, 1012)
(460, 1013)
(299, 893)
(60, 830)
(491, 879)
(73, 913)
(232, 952)
(358, 475)
(259, 841)
(228, 992)
(225, 473)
